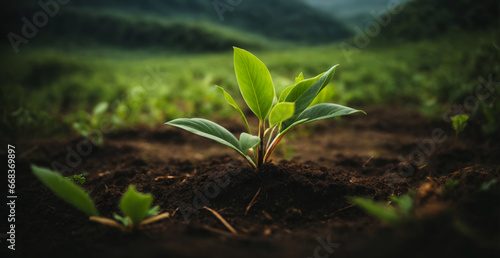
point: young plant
(459, 122)
(276, 115)
(389, 214)
(92, 123)
(135, 207)
(77, 179)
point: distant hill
(352, 12)
(197, 24)
(429, 18)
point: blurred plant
(135, 207)
(394, 216)
(77, 179)
(21, 123)
(292, 108)
(459, 122)
(93, 122)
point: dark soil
(301, 202)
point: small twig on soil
(252, 202)
(364, 164)
(228, 226)
(173, 213)
(155, 218)
(26, 153)
(170, 177)
(108, 222)
(218, 231)
(345, 208)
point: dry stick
(155, 218)
(252, 201)
(345, 208)
(108, 222)
(228, 226)
(364, 164)
(218, 231)
(26, 153)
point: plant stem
(260, 152)
(273, 145)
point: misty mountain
(180, 23)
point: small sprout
(296, 105)
(391, 215)
(486, 186)
(92, 122)
(78, 179)
(135, 206)
(459, 122)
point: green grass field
(59, 87)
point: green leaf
(285, 93)
(153, 211)
(382, 212)
(207, 129)
(82, 129)
(301, 87)
(100, 108)
(125, 221)
(255, 82)
(325, 111)
(281, 112)
(231, 102)
(66, 190)
(299, 78)
(248, 141)
(459, 122)
(135, 205)
(404, 202)
(306, 98)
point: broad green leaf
(255, 82)
(231, 102)
(207, 129)
(285, 93)
(100, 108)
(301, 87)
(281, 112)
(248, 141)
(382, 212)
(135, 205)
(66, 190)
(325, 111)
(299, 78)
(306, 98)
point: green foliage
(66, 190)
(136, 206)
(258, 91)
(78, 179)
(459, 122)
(395, 216)
(486, 186)
(95, 122)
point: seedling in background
(276, 115)
(77, 179)
(91, 123)
(459, 122)
(394, 216)
(135, 207)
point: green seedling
(92, 123)
(77, 179)
(394, 216)
(135, 207)
(276, 115)
(459, 122)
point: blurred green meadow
(47, 88)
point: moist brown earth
(301, 206)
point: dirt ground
(301, 209)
